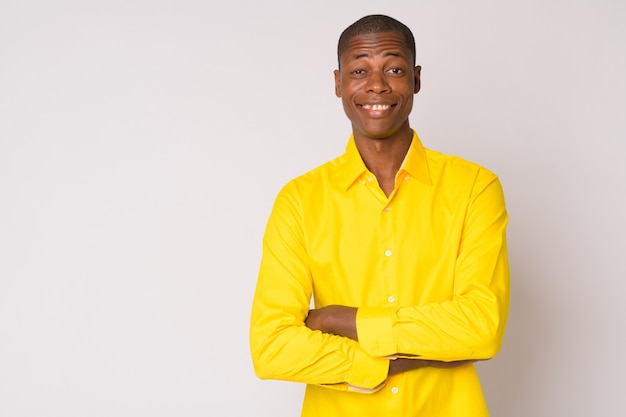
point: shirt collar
(415, 163)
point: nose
(377, 83)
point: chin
(380, 134)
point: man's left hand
(334, 319)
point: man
(401, 248)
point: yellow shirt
(426, 267)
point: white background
(142, 144)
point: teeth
(376, 106)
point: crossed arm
(341, 320)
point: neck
(384, 157)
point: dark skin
(376, 81)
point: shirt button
(386, 209)
(406, 178)
(391, 298)
(369, 179)
(387, 252)
(394, 390)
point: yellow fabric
(426, 267)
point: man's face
(376, 83)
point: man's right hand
(397, 366)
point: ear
(337, 83)
(418, 68)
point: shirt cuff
(368, 373)
(374, 327)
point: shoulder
(445, 167)
(305, 192)
(314, 179)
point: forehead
(376, 44)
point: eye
(358, 72)
(396, 71)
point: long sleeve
(470, 324)
(282, 347)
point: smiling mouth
(376, 107)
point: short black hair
(375, 23)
